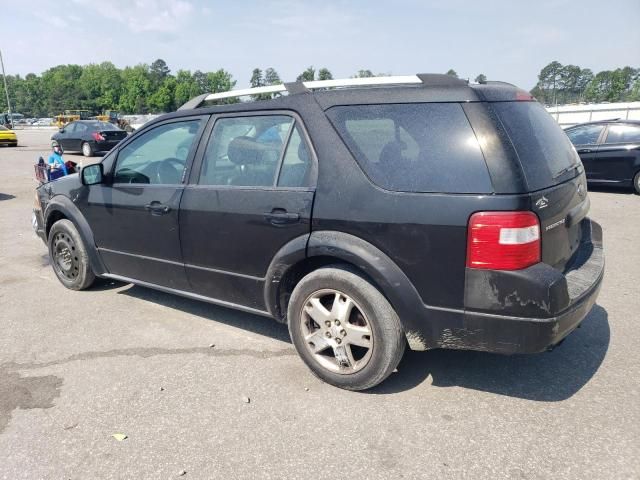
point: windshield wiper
(566, 170)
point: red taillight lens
(503, 240)
(97, 136)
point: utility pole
(6, 90)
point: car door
(251, 193)
(134, 215)
(63, 137)
(75, 139)
(585, 140)
(619, 153)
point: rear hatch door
(554, 176)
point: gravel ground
(78, 367)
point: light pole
(6, 90)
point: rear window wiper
(566, 170)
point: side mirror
(61, 130)
(92, 174)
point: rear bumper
(105, 146)
(524, 311)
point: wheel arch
(61, 207)
(324, 248)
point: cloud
(161, 16)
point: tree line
(153, 88)
(560, 84)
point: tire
(87, 149)
(360, 350)
(69, 257)
(636, 183)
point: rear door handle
(157, 208)
(585, 150)
(279, 216)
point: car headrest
(244, 151)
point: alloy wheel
(336, 331)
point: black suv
(610, 151)
(419, 211)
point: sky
(508, 40)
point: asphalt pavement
(204, 392)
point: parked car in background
(89, 136)
(8, 137)
(610, 151)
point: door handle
(157, 208)
(585, 150)
(279, 216)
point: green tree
(324, 74)
(136, 89)
(271, 77)
(308, 75)
(452, 72)
(364, 74)
(163, 99)
(482, 78)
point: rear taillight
(97, 136)
(503, 240)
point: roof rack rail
(425, 79)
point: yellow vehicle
(8, 137)
(71, 116)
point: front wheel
(344, 329)
(636, 183)
(69, 256)
(87, 149)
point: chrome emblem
(543, 202)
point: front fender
(60, 204)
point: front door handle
(585, 150)
(279, 216)
(157, 208)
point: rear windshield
(425, 147)
(544, 150)
(103, 126)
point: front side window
(585, 135)
(245, 151)
(623, 134)
(157, 156)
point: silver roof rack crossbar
(298, 87)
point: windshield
(545, 152)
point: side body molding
(65, 206)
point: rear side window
(623, 134)
(428, 147)
(544, 150)
(585, 135)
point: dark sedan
(610, 151)
(89, 136)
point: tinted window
(245, 151)
(157, 156)
(414, 147)
(623, 134)
(296, 164)
(70, 128)
(80, 128)
(586, 135)
(543, 148)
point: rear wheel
(69, 256)
(636, 183)
(344, 329)
(87, 149)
